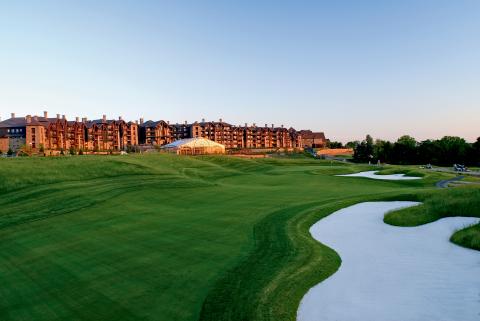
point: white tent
(194, 146)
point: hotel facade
(42, 133)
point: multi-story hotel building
(232, 136)
(55, 134)
(36, 133)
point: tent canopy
(195, 146)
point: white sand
(372, 174)
(394, 273)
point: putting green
(161, 237)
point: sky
(348, 68)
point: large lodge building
(37, 133)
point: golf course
(167, 237)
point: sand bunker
(393, 273)
(372, 174)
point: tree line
(406, 150)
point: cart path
(444, 183)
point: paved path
(450, 170)
(444, 183)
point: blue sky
(344, 67)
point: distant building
(313, 139)
(12, 133)
(58, 133)
(231, 136)
(36, 133)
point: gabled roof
(13, 122)
(151, 123)
(22, 121)
(308, 134)
(100, 121)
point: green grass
(161, 237)
(407, 170)
(468, 237)
(460, 201)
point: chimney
(282, 126)
(246, 124)
(266, 125)
(168, 122)
(254, 125)
(35, 118)
(104, 118)
(221, 120)
(28, 119)
(77, 119)
(84, 119)
(45, 114)
(203, 120)
(136, 122)
(58, 116)
(141, 120)
(63, 117)
(12, 115)
(119, 117)
(186, 122)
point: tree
(334, 144)
(80, 152)
(71, 150)
(352, 144)
(475, 153)
(428, 152)
(10, 152)
(363, 152)
(62, 152)
(405, 151)
(42, 148)
(382, 151)
(453, 150)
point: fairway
(162, 237)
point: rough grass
(407, 170)
(161, 237)
(468, 237)
(459, 201)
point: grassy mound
(461, 201)
(468, 237)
